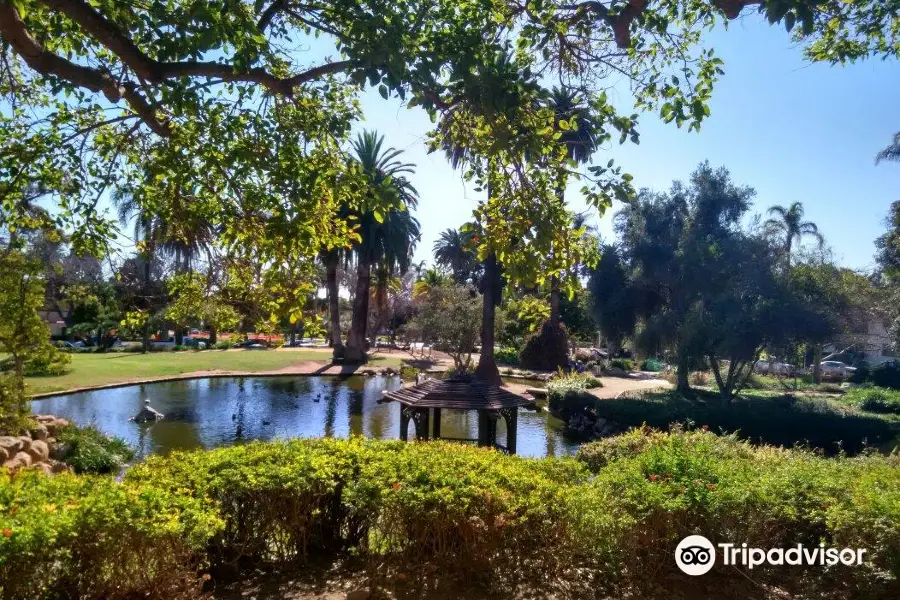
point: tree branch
(111, 36)
(621, 22)
(12, 29)
(265, 19)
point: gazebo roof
(459, 392)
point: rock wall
(38, 448)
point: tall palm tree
(892, 152)
(790, 227)
(494, 87)
(491, 280)
(581, 143)
(453, 250)
(387, 238)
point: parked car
(761, 366)
(782, 368)
(833, 369)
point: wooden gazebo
(423, 403)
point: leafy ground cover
(874, 399)
(604, 524)
(91, 369)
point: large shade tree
(214, 99)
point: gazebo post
(482, 428)
(511, 416)
(420, 418)
(436, 423)
(404, 423)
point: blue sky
(790, 129)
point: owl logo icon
(695, 555)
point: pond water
(206, 413)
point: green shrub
(180, 348)
(223, 345)
(48, 360)
(887, 376)
(546, 350)
(652, 364)
(625, 364)
(781, 420)
(90, 537)
(651, 489)
(507, 356)
(602, 524)
(567, 393)
(92, 451)
(874, 399)
(409, 372)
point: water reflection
(205, 413)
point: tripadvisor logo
(696, 555)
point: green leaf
(382, 89)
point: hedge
(605, 523)
(780, 420)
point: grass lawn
(101, 369)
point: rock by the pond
(39, 451)
(148, 414)
(39, 431)
(60, 450)
(10, 444)
(58, 467)
(24, 458)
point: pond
(211, 412)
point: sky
(792, 130)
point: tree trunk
(554, 301)
(817, 366)
(356, 341)
(212, 336)
(179, 336)
(145, 339)
(487, 366)
(683, 383)
(334, 307)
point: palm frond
(892, 152)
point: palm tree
(789, 226)
(182, 238)
(491, 280)
(580, 142)
(453, 250)
(429, 280)
(892, 152)
(388, 238)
